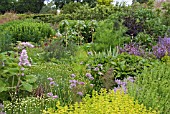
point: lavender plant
(162, 48)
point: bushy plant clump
(77, 31)
(103, 103)
(152, 87)
(27, 30)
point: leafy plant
(152, 89)
(28, 30)
(13, 77)
(109, 34)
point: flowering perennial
(23, 60)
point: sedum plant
(103, 103)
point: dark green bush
(152, 88)
(28, 30)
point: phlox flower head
(23, 60)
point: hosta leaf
(30, 78)
(26, 86)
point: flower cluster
(23, 60)
(52, 83)
(162, 48)
(132, 49)
(89, 76)
(122, 84)
(51, 95)
(23, 45)
(74, 83)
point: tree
(6, 5)
(61, 3)
(140, 1)
(34, 6)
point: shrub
(103, 103)
(28, 30)
(77, 31)
(152, 88)
(109, 33)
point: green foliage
(28, 30)
(108, 34)
(56, 49)
(112, 66)
(103, 103)
(21, 6)
(12, 83)
(152, 87)
(5, 41)
(71, 7)
(60, 73)
(78, 32)
(36, 55)
(104, 2)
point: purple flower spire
(23, 60)
(25, 44)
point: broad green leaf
(30, 78)
(26, 86)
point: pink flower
(23, 60)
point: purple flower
(119, 82)
(73, 75)
(99, 65)
(72, 85)
(73, 81)
(22, 69)
(50, 94)
(88, 75)
(80, 93)
(91, 85)
(89, 53)
(81, 83)
(50, 79)
(131, 79)
(1, 106)
(96, 69)
(52, 83)
(23, 60)
(55, 97)
(91, 78)
(22, 74)
(25, 44)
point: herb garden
(102, 59)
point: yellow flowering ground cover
(104, 103)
